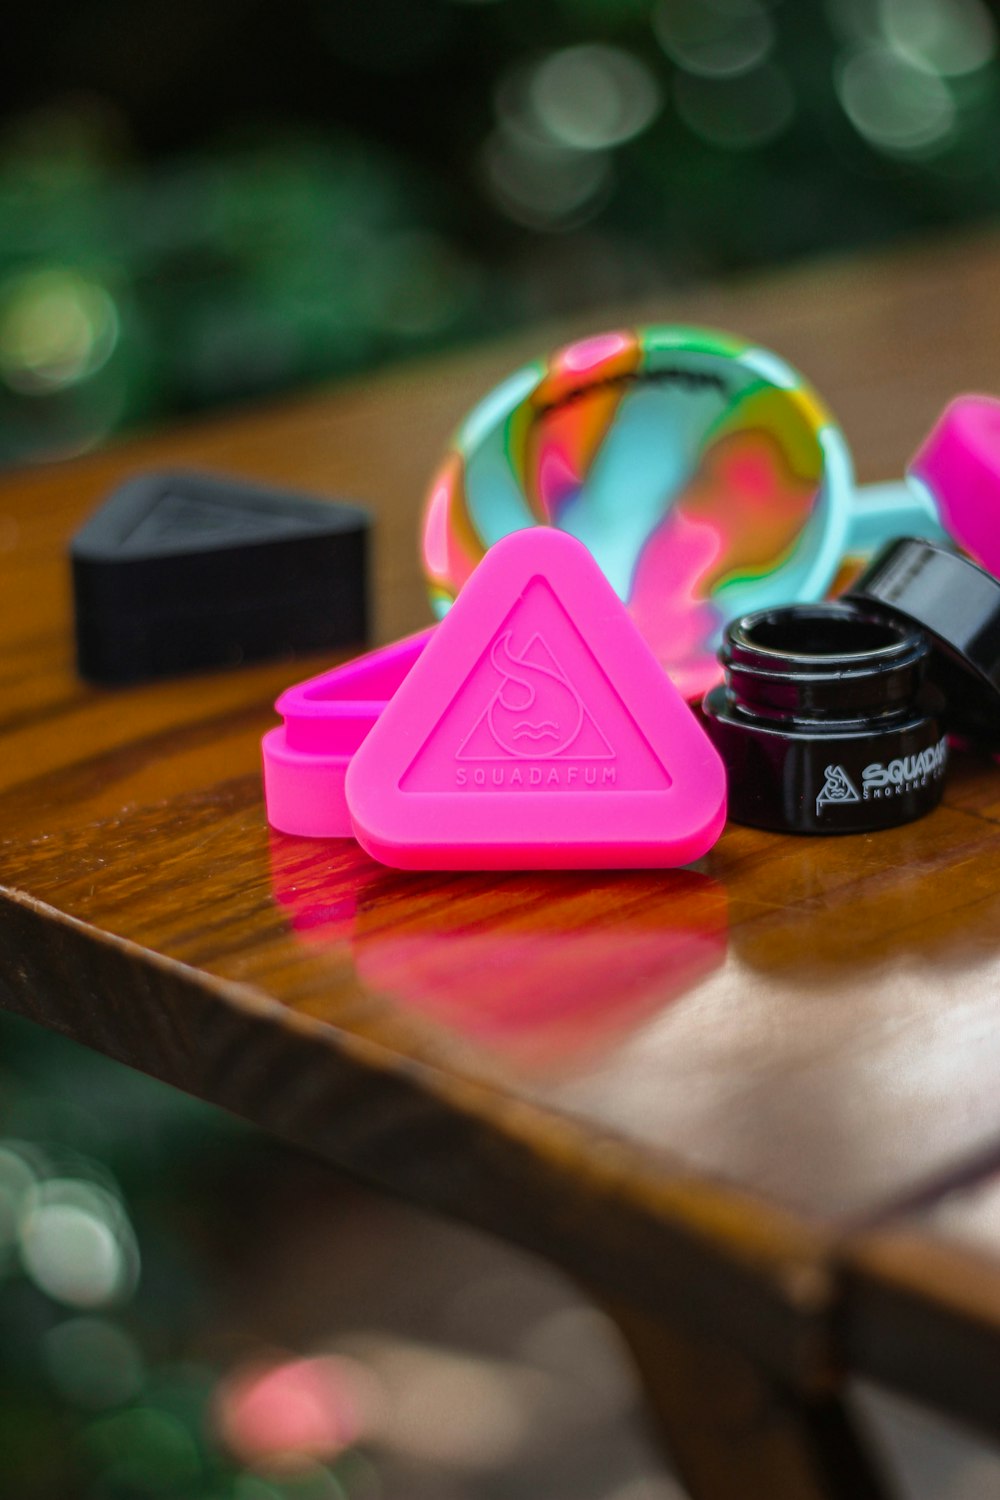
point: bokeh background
(203, 204)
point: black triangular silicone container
(181, 571)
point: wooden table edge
(632, 1226)
(921, 1315)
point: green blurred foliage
(108, 1384)
(220, 204)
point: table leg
(734, 1432)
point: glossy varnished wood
(682, 1086)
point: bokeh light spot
(951, 37)
(595, 96)
(93, 1363)
(452, 1410)
(145, 1450)
(304, 1408)
(77, 1244)
(737, 114)
(57, 327)
(896, 107)
(545, 186)
(714, 40)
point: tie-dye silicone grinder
(704, 474)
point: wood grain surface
(685, 1087)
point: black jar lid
(823, 661)
(958, 604)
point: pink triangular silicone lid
(537, 730)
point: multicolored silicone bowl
(704, 473)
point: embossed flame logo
(536, 712)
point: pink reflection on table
(572, 963)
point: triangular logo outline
(837, 789)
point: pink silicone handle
(959, 462)
(325, 720)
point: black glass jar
(824, 721)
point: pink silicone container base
(536, 731)
(326, 718)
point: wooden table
(703, 1093)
